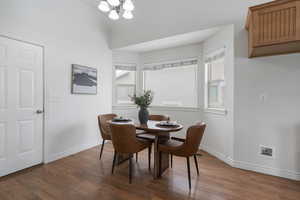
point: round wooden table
(162, 135)
(153, 127)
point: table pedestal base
(162, 162)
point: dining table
(162, 135)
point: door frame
(44, 88)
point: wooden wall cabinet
(274, 28)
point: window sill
(216, 111)
(162, 108)
(173, 108)
(124, 106)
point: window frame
(207, 72)
(114, 85)
(197, 76)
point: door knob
(39, 111)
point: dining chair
(105, 129)
(159, 117)
(185, 147)
(125, 142)
(145, 135)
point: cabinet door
(276, 24)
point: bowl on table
(168, 124)
(121, 119)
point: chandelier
(117, 8)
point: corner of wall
(70, 151)
(227, 159)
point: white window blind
(174, 83)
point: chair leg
(136, 157)
(130, 169)
(171, 160)
(149, 158)
(101, 151)
(159, 163)
(114, 162)
(189, 171)
(196, 163)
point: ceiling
(173, 41)
(156, 19)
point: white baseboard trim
(70, 151)
(253, 167)
(267, 170)
(217, 154)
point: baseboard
(267, 170)
(228, 160)
(253, 167)
(70, 151)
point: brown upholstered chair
(159, 117)
(105, 129)
(125, 142)
(185, 147)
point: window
(124, 83)
(215, 80)
(174, 84)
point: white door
(21, 96)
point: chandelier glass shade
(103, 6)
(113, 15)
(127, 14)
(117, 8)
(128, 5)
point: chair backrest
(124, 138)
(193, 138)
(159, 117)
(104, 125)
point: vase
(143, 115)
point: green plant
(144, 100)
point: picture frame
(84, 80)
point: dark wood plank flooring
(83, 176)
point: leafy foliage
(144, 100)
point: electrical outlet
(263, 97)
(266, 151)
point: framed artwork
(84, 80)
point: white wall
(123, 57)
(274, 122)
(71, 32)
(218, 138)
(171, 54)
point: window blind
(127, 67)
(159, 66)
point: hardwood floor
(83, 176)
